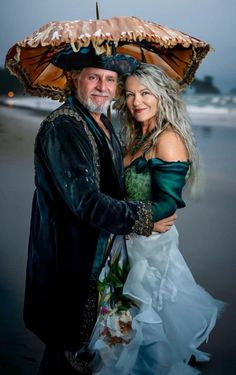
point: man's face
(95, 88)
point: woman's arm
(168, 172)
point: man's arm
(68, 155)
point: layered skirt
(155, 316)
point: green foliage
(111, 287)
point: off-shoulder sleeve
(168, 180)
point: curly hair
(172, 111)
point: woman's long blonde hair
(171, 111)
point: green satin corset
(158, 181)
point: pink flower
(104, 310)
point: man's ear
(74, 78)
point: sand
(206, 226)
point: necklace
(141, 141)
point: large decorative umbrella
(30, 59)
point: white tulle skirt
(171, 315)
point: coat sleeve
(68, 156)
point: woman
(157, 322)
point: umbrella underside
(177, 53)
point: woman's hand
(164, 225)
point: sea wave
(204, 110)
(201, 100)
(212, 110)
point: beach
(206, 227)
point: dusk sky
(209, 20)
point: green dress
(158, 181)
(153, 315)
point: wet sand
(206, 226)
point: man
(78, 202)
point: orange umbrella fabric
(30, 59)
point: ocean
(212, 110)
(204, 110)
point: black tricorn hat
(69, 60)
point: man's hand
(164, 225)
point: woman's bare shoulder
(170, 146)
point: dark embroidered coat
(79, 187)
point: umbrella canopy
(30, 59)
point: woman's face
(141, 103)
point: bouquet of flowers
(116, 326)
(115, 310)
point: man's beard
(93, 107)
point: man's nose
(101, 84)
